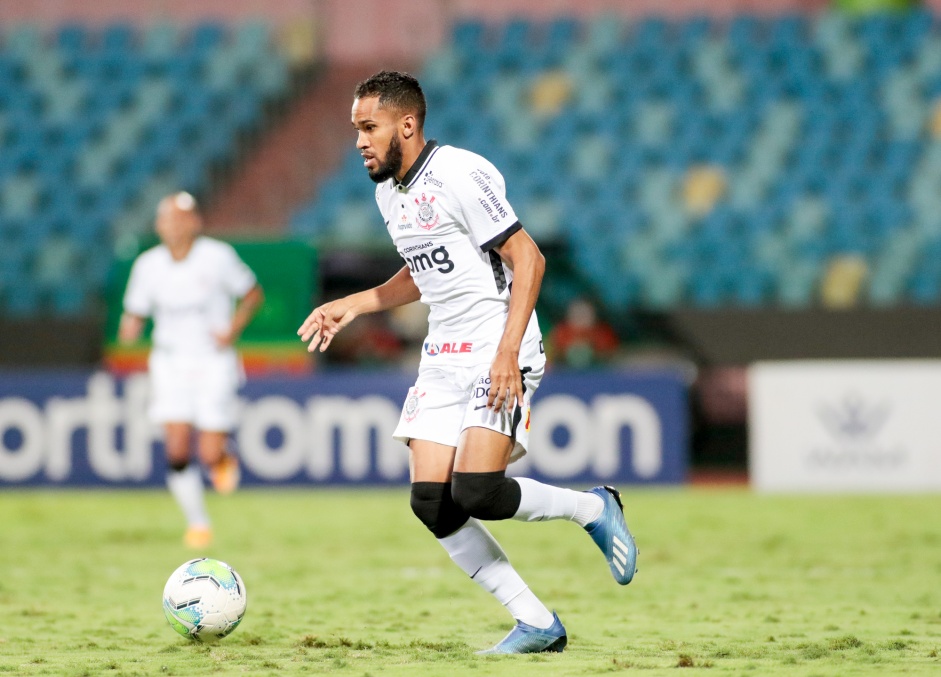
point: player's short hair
(396, 90)
(181, 200)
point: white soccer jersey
(445, 218)
(190, 300)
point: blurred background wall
(714, 183)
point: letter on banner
(269, 412)
(104, 414)
(574, 457)
(612, 413)
(354, 420)
(22, 463)
(63, 417)
(139, 432)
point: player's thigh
(491, 439)
(433, 410)
(430, 461)
(483, 450)
(173, 392)
(177, 437)
(217, 396)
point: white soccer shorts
(201, 390)
(446, 401)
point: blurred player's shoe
(197, 538)
(527, 639)
(226, 474)
(610, 533)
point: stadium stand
(788, 162)
(96, 125)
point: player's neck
(180, 251)
(411, 149)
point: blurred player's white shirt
(189, 300)
(445, 218)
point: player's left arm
(522, 256)
(247, 306)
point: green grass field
(349, 583)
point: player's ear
(409, 126)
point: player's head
(178, 219)
(388, 114)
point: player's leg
(483, 490)
(185, 483)
(472, 547)
(172, 405)
(223, 466)
(216, 415)
(430, 424)
(475, 550)
(480, 486)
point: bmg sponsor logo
(438, 259)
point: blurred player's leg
(185, 483)
(223, 466)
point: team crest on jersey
(411, 405)
(427, 217)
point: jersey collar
(417, 167)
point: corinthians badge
(427, 217)
(411, 405)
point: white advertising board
(845, 426)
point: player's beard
(393, 163)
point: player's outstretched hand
(506, 383)
(324, 323)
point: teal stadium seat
(89, 140)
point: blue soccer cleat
(527, 639)
(610, 533)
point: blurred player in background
(201, 296)
(467, 416)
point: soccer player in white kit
(467, 417)
(201, 296)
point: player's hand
(224, 339)
(506, 383)
(324, 323)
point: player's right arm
(138, 302)
(130, 328)
(327, 320)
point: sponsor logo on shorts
(433, 349)
(482, 389)
(411, 409)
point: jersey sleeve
(237, 276)
(481, 196)
(138, 297)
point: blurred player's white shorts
(201, 390)
(446, 401)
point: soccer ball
(204, 599)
